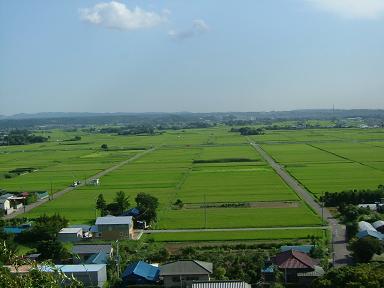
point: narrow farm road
(62, 192)
(339, 241)
(234, 229)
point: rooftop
(221, 284)
(292, 259)
(75, 268)
(301, 248)
(91, 248)
(142, 269)
(70, 231)
(114, 220)
(186, 267)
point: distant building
(183, 273)
(141, 273)
(70, 235)
(301, 248)
(372, 206)
(221, 284)
(95, 182)
(114, 228)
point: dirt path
(62, 192)
(339, 241)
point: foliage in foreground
(363, 275)
(35, 277)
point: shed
(141, 272)
(87, 253)
(70, 234)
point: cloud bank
(352, 9)
(117, 15)
(198, 27)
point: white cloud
(118, 16)
(360, 9)
(198, 27)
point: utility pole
(205, 211)
(50, 196)
(117, 259)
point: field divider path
(339, 241)
(234, 229)
(29, 207)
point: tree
(52, 249)
(122, 201)
(362, 275)
(364, 248)
(104, 146)
(147, 205)
(101, 205)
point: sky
(197, 56)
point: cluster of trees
(130, 130)
(352, 197)
(363, 249)
(363, 275)
(43, 235)
(248, 131)
(145, 203)
(21, 137)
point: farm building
(297, 267)
(183, 273)
(88, 274)
(114, 228)
(221, 284)
(70, 235)
(379, 225)
(91, 252)
(139, 273)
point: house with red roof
(297, 267)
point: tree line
(21, 137)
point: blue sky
(198, 56)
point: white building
(70, 234)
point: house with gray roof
(182, 273)
(114, 227)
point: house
(91, 253)
(5, 203)
(295, 264)
(70, 235)
(139, 273)
(372, 206)
(221, 284)
(88, 274)
(183, 273)
(114, 227)
(86, 229)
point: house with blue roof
(141, 273)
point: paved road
(339, 241)
(234, 229)
(62, 192)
